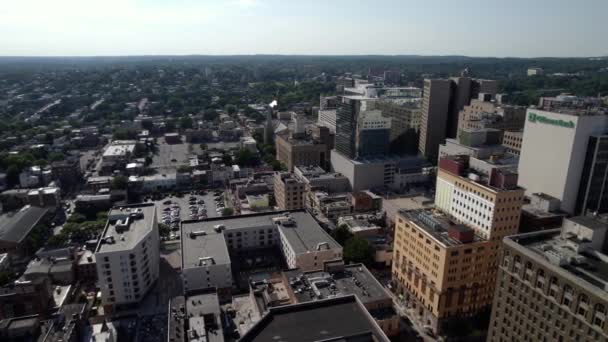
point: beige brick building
(445, 260)
(293, 152)
(551, 285)
(512, 141)
(288, 191)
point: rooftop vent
(196, 233)
(206, 261)
(323, 245)
(219, 227)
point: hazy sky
(525, 28)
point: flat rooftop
(436, 224)
(336, 319)
(126, 227)
(354, 279)
(16, 226)
(200, 240)
(200, 308)
(303, 236)
(551, 247)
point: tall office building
(554, 156)
(373, 134)
(434, 116)
(593, 189)
(551, 285)
(445, 261)
(360, 130)
(346, 125)
(443, 99)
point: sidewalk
(409, 314)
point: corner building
(552, 285)
(446, 260)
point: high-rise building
(554, 152)
(443, 99)
(127, 255)
(445, 260)
(360, 130)
(288, 191)
(373, 134)
(593, 191)
(434, 116)
(346, 125)
(551, 285)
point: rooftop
(577, 250)
(336, 319)
(435, 224)
(351, 279)
(126, 227)
(204, 320)
(205, 238)
(118, 150)
(15, 226)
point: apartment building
(288, 191)
(127, 255)
(207, 245)
(551, 285)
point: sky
(496, 28)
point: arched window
(583, 305)
(599, 315)
(528, 271)
(553, 287)
(540, 279)
(517, 264)
(567, 296)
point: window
(599, 315)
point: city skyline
(245, 27)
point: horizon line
(296, 55)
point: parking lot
(170, 156)
(172, 210)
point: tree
(342, 234)
(358, 250)
(244, 157)
(56, 156)
(230, 109)
(203, 146)
(77, 218)
(227, 211)
(186, 122)
(119, 183)
(227, 159)
(164, 230)
(184, 169)
(210, 115)
(148, 160)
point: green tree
(184, 169)
(210, 115)
(164, 230)
(230, 109)
(342, 234)
(186, 122)
(203, 146)
(119, 183)
(227, 159)
(227, 212)
(56, 156)
(244, 157)
(358, 250)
